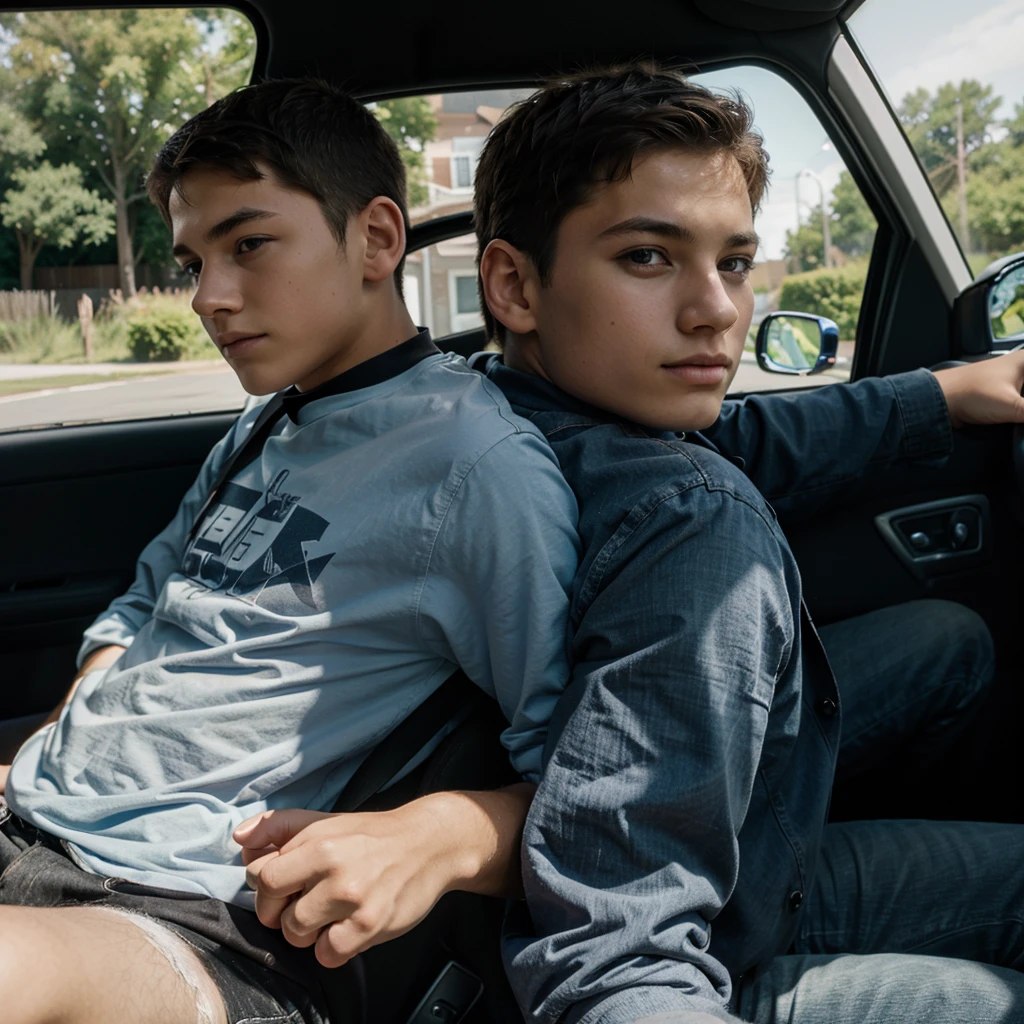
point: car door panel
(77, 505)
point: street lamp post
(825, 229)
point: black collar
(372, 371)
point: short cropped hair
(547, 154)
(315, 138)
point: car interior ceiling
(846, 568)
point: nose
(216, 292)
(706, 306)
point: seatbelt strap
(245, 453)
(454, 696)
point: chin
(258, 384)
(699, 414)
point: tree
(411, 123)
(852, 227)
(853, 223)
(805, 247)
(109, 87)
(930, 123)
(19, 142)
(49, 206)
(995, 201)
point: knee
(963, 644)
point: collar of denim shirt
(528, 391)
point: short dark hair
(316, 138)
(547, 153)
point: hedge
(163, 333)
(836, 294)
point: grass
(66, 380)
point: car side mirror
(988, 314)
(798, 343)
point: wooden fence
(18, 305)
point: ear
(384, 232)
(509, 282)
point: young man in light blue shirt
(396, 522)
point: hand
(4, 769)
(988, 391)
(345, 882)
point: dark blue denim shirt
(689, 767)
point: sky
(908, 44)
(795, 141)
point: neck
(386, 327)
(522, 353)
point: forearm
(477, 836)
(805, 452)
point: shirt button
(827, 708)
(796, 899)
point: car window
(959, 92)
(440, 137)
(816, 228)
(95, 321)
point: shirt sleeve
(127, 614)
(804, 451)
(631, 845)
(495, 596)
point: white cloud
(986, 47)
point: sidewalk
(30, 371)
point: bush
(836, 294)
(39, 339)
(162, 333)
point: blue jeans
(910, 679)
(893, 903)
(906, 921)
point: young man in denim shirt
(677, 861)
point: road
(212, 390)
(204, 388)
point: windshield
(954, 73)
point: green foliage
(930, 123)
(852, 226)
(995, 201)
(162, 333)
(836, 294)
(805, 248)
(45, 339)
(853, 223)
(19, 143)
(105, 88)
(411, 123)
(49, 206)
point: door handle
(938, 536)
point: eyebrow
(666, 229)
(226, 226)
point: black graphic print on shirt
(253, 541)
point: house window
(464, 299)
(462, 171)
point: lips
(704, 369)
(235, 342)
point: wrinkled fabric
(679, 820)
(386, 536)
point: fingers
(325, 902)
(4, 769)
(274, 828)
(251, 856)
(341, 941)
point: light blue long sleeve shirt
(383, 537)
